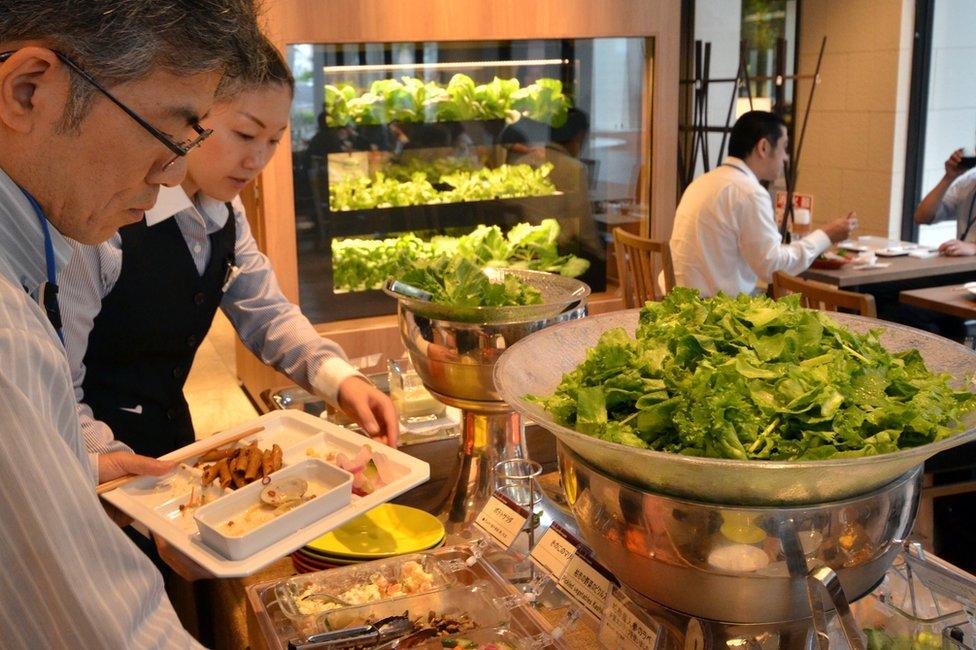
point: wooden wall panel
(357, 21)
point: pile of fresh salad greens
(382, 191)
(460, 282)
(412, 100)
(753, 378)
(360, 264)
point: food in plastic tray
(362, 583)
(903, 614)
(448, 611)
(495, 639)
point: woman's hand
(371, 408)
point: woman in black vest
(137, 307)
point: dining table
(954, 299)
(893, 269)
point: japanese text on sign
(553, 551)
(622, 629)
(500, 521)
(585, 584)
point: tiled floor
(212, 390)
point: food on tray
(239, 466)
(185, 480)
(369, 471)
(459, 282)
(272, 504)
(412, 580)
(754, 378)
(438, 624)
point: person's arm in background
(762, 248)
(82, 284)
(931, 207)
(280, 335)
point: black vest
(144, 338)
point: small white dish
(853, 246)
(970, 287)
(891, 252)
(334, 487)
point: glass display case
(523, 153)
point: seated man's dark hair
(752, 127)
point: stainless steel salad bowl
(455, 357)
(536, 364)
(733, 564)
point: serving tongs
(364, 636)
(819, 579)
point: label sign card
(554, 550)
(502, 519)
(622, 628)
(586, 583)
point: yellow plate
(345, 561)
(384, 531)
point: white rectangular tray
(295, 432)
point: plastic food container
(336, 492)
(337, 582)
(904, 613)
(477, 606)
(498, 638)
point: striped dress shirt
(70, 578)
(270, 325)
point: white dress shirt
(959, 205)
(70, 577)
(725, 236)
(270, 326)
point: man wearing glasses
(99, 103)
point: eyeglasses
(179, 149)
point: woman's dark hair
(271, 69)
(752, 127)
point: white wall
(720, 23)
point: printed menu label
(502, 520)
(623, 629)
(554, 550)
(586, 584)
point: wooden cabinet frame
(271, 202)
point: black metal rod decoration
(706, 71)
(740, 74)
(779, 83)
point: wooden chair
(639, 263)
(817, 295)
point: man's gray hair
(125, 40)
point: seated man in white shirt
(725, 236)
(954, 197)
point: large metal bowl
(455, 358)
(728, 563)
(558, 293)
(536, 364)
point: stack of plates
(385, 531)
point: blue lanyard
(49, 292)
